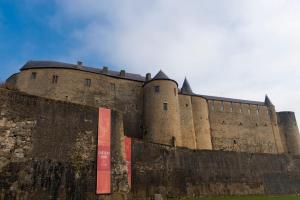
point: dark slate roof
(232, 100)
(268, 101)
(161, 76)
(186, 88)
(54, 64)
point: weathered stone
(158, 197)
(2, 112)
(60, 160)
(19, 153)
(2, 122)
(7, 144)
(3, 162)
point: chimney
(122, 73)
(148, 76)
(79, 64)
(105, 70)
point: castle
(156, 110)
(53, 135)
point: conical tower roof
(268, 102)
(160, 76)
(186, 88)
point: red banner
(128, 158)
(103, 154)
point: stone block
(2, 122)
(158, 197)
(19, 153)
(3, 161)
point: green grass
(244, 198)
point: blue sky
(23, 35)
(233, 48)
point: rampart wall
(48, 151)
(175, 172)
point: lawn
(245, 198)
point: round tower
(273, 117)
(161, 110)
(202, 124)
(288, 127)
(200, 131)
(186, 116)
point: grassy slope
(246, 198)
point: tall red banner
(128, 158)
(103, 153)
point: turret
(271, 109)
(273, 118)
(199, 111)
(186, 88)
(161, 112)
(289, 129)
(188, 136)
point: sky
(231, 48)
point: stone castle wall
(49, 151)
(190, 121)
(104, 91)
(175, 172)
(241, 127)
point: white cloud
(233, 48)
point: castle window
(54, 79)
(33, 75)
(156, 88)
(173, 141)
(165, 106)
(88, 82)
